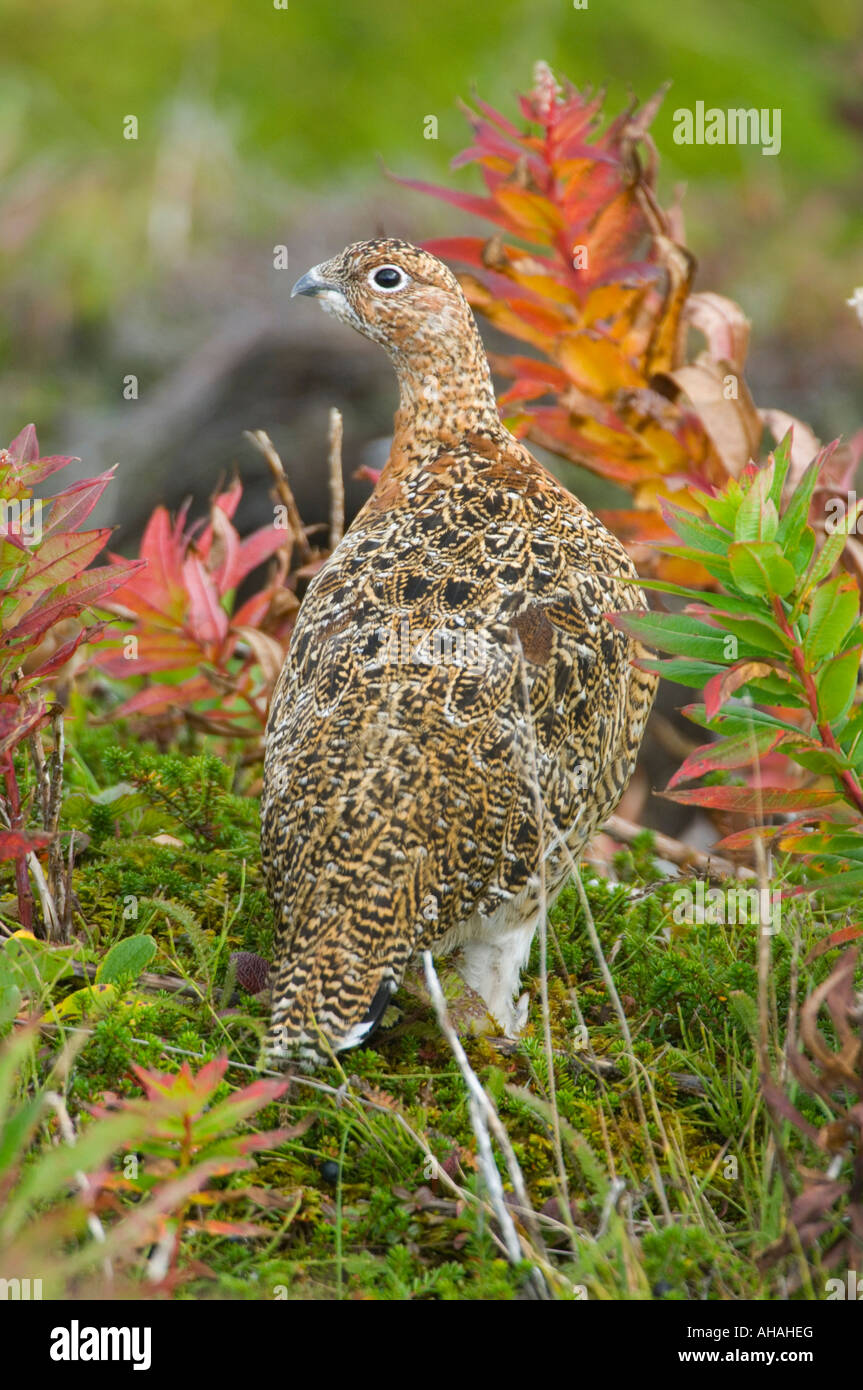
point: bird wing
(449, 658)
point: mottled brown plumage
(403, 764)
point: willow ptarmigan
(450, 671)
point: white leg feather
(492, 964)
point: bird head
(411, 303)
(388, 290)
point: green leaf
(694, 673)
(830, 551)
(761, 635)
(848, 881)
(722, 509)
(18, 1130)
(16, 1051)
(844, 843)
(824, 761)
(774, 690)
(727, 603)
(126, 959)
(737, 717)
(801, 558)
(759, 567)
(678, 633)
(55, 1169)
(853, 637)
(855, 758)
(695, 530)
(853, 727)
(10, 1003)
(837, 682)
(833, 611)
(31, 965)
(757, 517)
(796, 516)
(781, 457)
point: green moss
(359, 1210)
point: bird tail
(332, 994)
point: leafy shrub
(191, 1133)
(217, 659)
(603, 297)
(777, 652)
(46, 589)
(65, 1212)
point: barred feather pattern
(451, 671)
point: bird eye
(388, 277)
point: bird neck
(446, 392)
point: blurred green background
(260, 126)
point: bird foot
(467, 1009)
(519, 1015)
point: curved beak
(312, 283)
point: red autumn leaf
(723, 686)
(769, 800)
(154, 658)
(205, 617)
(256, 549)
(183, 617)
(183, 1082)
(43, 583)
(59, 558)
(61, 654)
(222, 554)
(250, 613)
(237, 1229)
(88, 590)
(831, 941)
(465, 202)
(28, 467)
(14, 844)
(24, 447)
(727, 753)
(155, 699)
(17, 722)
(744, 839)
(161, 584)
(49, 580)
(75, 503)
